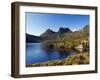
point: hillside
(71, 40)
(32, 38)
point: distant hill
(32, 38)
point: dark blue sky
(37, 23)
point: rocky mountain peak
(64, 30)
(49, 31)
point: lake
(35, 52)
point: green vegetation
(80, 58)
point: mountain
(64, 30)
(32, 38)
(61, 33)
(84, 32)
(49, 34)
(86, 27)
(48, 31)
(72, 40)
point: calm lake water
(35, 52)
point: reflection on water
(35, 52)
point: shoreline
(78, 59)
